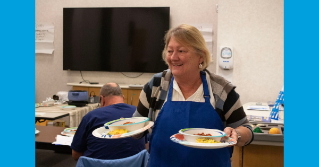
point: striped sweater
(227, 102)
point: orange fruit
(274, 131)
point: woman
(188, 96)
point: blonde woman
(188, 96)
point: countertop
(265, 139)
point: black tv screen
(128, 39)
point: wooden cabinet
(91, 90)
(131, 96)
(80, 88)
(263, 156)
(124, 91)
(258, 155)
(94, 91)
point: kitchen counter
(266, 149)
(264, 138)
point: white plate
(67, 134)
(68, 107)
(179, 138)
(102, 132)
(70, 130)
(37, 131)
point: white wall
(254, 28)
(50, 78)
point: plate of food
(202, 138)
(122, 132)
(67, 134)
(69, 131)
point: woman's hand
(244, 133)
(230, 132)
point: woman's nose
(174, 55)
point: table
(75, 115)
(49, 116)
(46, 137)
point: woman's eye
(181, 51)
(170, 51)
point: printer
(78, 98)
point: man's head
(111, 93)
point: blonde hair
(191, 37)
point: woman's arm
(235, 117)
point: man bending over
(112, 107)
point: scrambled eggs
(117, 131)
(206, 140)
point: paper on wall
(44, 35)
(44, 47)
(44, 38)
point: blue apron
(176, 115)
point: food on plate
(274, 131)
(70, 131)
(257, 130)
(203, 134)
(206, 140)
(128, 123)
(117, 131)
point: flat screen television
(117, 39)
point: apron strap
(170, 91)
(205, 86)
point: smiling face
(182, 60)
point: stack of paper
(63, 140)
(262, 108)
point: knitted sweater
(227, 102)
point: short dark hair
(111, 89)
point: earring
(200, 66)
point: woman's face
(182, 60)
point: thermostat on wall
(226, 58)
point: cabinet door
(263, 156)
(124, 92)
(80, 88)
(133, 96)
(94, 91)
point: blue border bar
(18, 83)
(301, 88)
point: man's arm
(79, 139)
(76, 155)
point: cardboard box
(59, 123)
